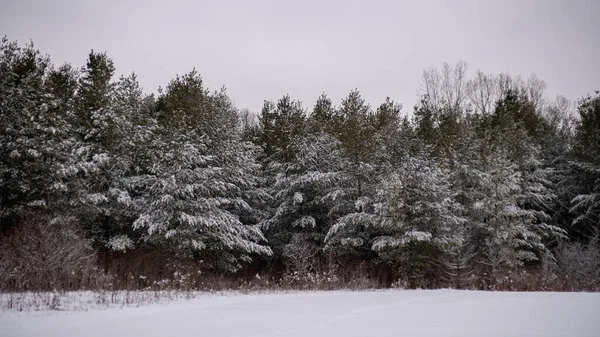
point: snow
(339, 313)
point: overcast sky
(264, 49)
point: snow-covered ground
(341, 313)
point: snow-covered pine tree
(411, 221)
(392, 134)
(467, 180)
(585, 205)
(509, 221)
(494, 215)
(537, 199)
(352, 206)
(88, 172)
(300, 189)
(366, 146)
(321, 117)
(134, 126)
(192, 191)
(189, 204)
(419, 218)
(280, 122)
(34, 126)
(44, 248)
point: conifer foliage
(486, 181)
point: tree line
(485, 184)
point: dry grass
(85, 300)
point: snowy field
(341, 313)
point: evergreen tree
(321, 118)
(183, 104)
(426, 120)
(301, 188)
(88, 174)
(451, 196)
(196, 186)
(280, 123)
(34, 125)
(587, 134)
(391, 138)
(191, 205)
(353, 127)
(586, 204)
(419, 218)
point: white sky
(261, 50)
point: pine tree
(587, 137)
(368, 145)
(280, 122)
(353, 127)
(390, 139)
(88, 173)
(418, 207)
(537, 199)
(410, 222)
(586, 170)
(300, 190)
(426, 120)
(32, 132)
(190, 204)
(321, 118)
(134, 126)
(197, 182)
(511, 223)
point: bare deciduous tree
(535, 88)
(446, 88)
(483, 92)
(559, 113)
(248, 119)
(300, 254)
(507, 82)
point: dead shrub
(579, 265)
(47, 254)
(300, 255)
